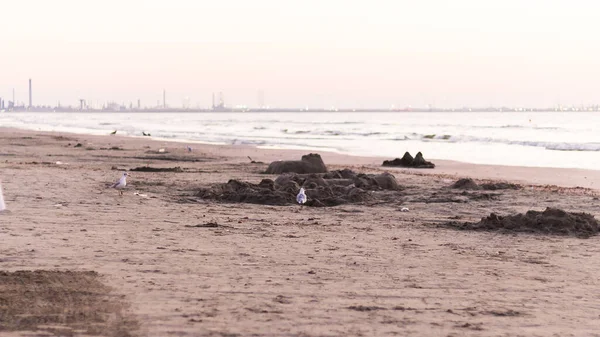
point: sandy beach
(160, 261)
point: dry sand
(352, 270)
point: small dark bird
(145, 134)
(114, 132)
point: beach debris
(176, 169)
(121, 183)
(500, 186)
(404, 209)
(164, 157)
(365, 308)
(309, 163)
(189, 148)
(470, 184)
(319, 192)
(141, 195)
(252, 161)
(114, 132)
(478, 196)
(2, 204)
(439, 198)
(445, 196)
(408, 161)
(161, 150)
(78, 145)
(204, 225)
(116, 148)
(551, 221)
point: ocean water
(539, 139)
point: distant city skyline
(322, 54)
(218, 102)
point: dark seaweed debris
(551, 221)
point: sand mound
(340, 174)
(466, 184)
(309, 163)
(551, 221)
(239, 191)
(470, 184)
(408, 161)
(320, 189)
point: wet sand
(350, 270)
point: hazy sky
(303, 53)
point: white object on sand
(121, 183)
(301, 197)
(161, 150)
(404, 209)
(2, 204)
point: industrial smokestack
(30, 105)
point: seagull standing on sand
(2, 204)
(301, 197)
(121, 183)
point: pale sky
(325, 53)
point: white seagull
(2, 204)
(121, 183)
(301, 197)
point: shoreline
(513, 141)
(561, 177)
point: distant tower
(30, 105)
(139, 104)
(164, 99)
(261, 99)
(220, 106)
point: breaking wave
(555, 146)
